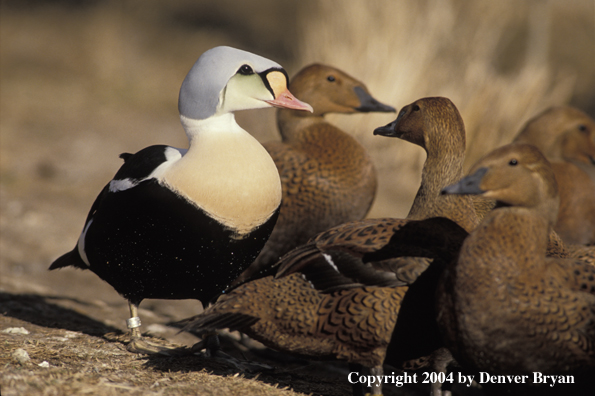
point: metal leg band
(133, 323)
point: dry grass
(77, 364)
(483, 55)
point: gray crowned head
(226, 79)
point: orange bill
(284, 98)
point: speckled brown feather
(326, 175)
(375, 252)
(586, 254)
(327, 179)
(289, 315)
(566, 136)
(503, 306)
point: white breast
(227, 173)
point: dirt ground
(82, 82)
(54, 344)
(68, 355)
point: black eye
(415, 108)
(331, 78)
(582, 128)
(245, 70)
(513, 162)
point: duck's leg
(376, 388)
(358, 389)
(210, 343)
(438, 390)
(138, 344)
(442, 359)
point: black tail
(70, 259)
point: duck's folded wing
(369, 255)
(136, 168)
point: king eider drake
(183, 223)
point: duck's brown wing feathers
(382, 252)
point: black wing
(136, 167)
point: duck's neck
(291, 123)
(337, 153)
(215, 124)
(442, 168)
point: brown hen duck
(504, 307)
(566, 136)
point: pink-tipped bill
(284, 98)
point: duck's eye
(582, 128)
(415, 108)
(513, 162)
(245, 70)
(331, 78)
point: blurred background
(83, 80)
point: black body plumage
(147, 241)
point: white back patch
(121, 185)
(172, 155)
